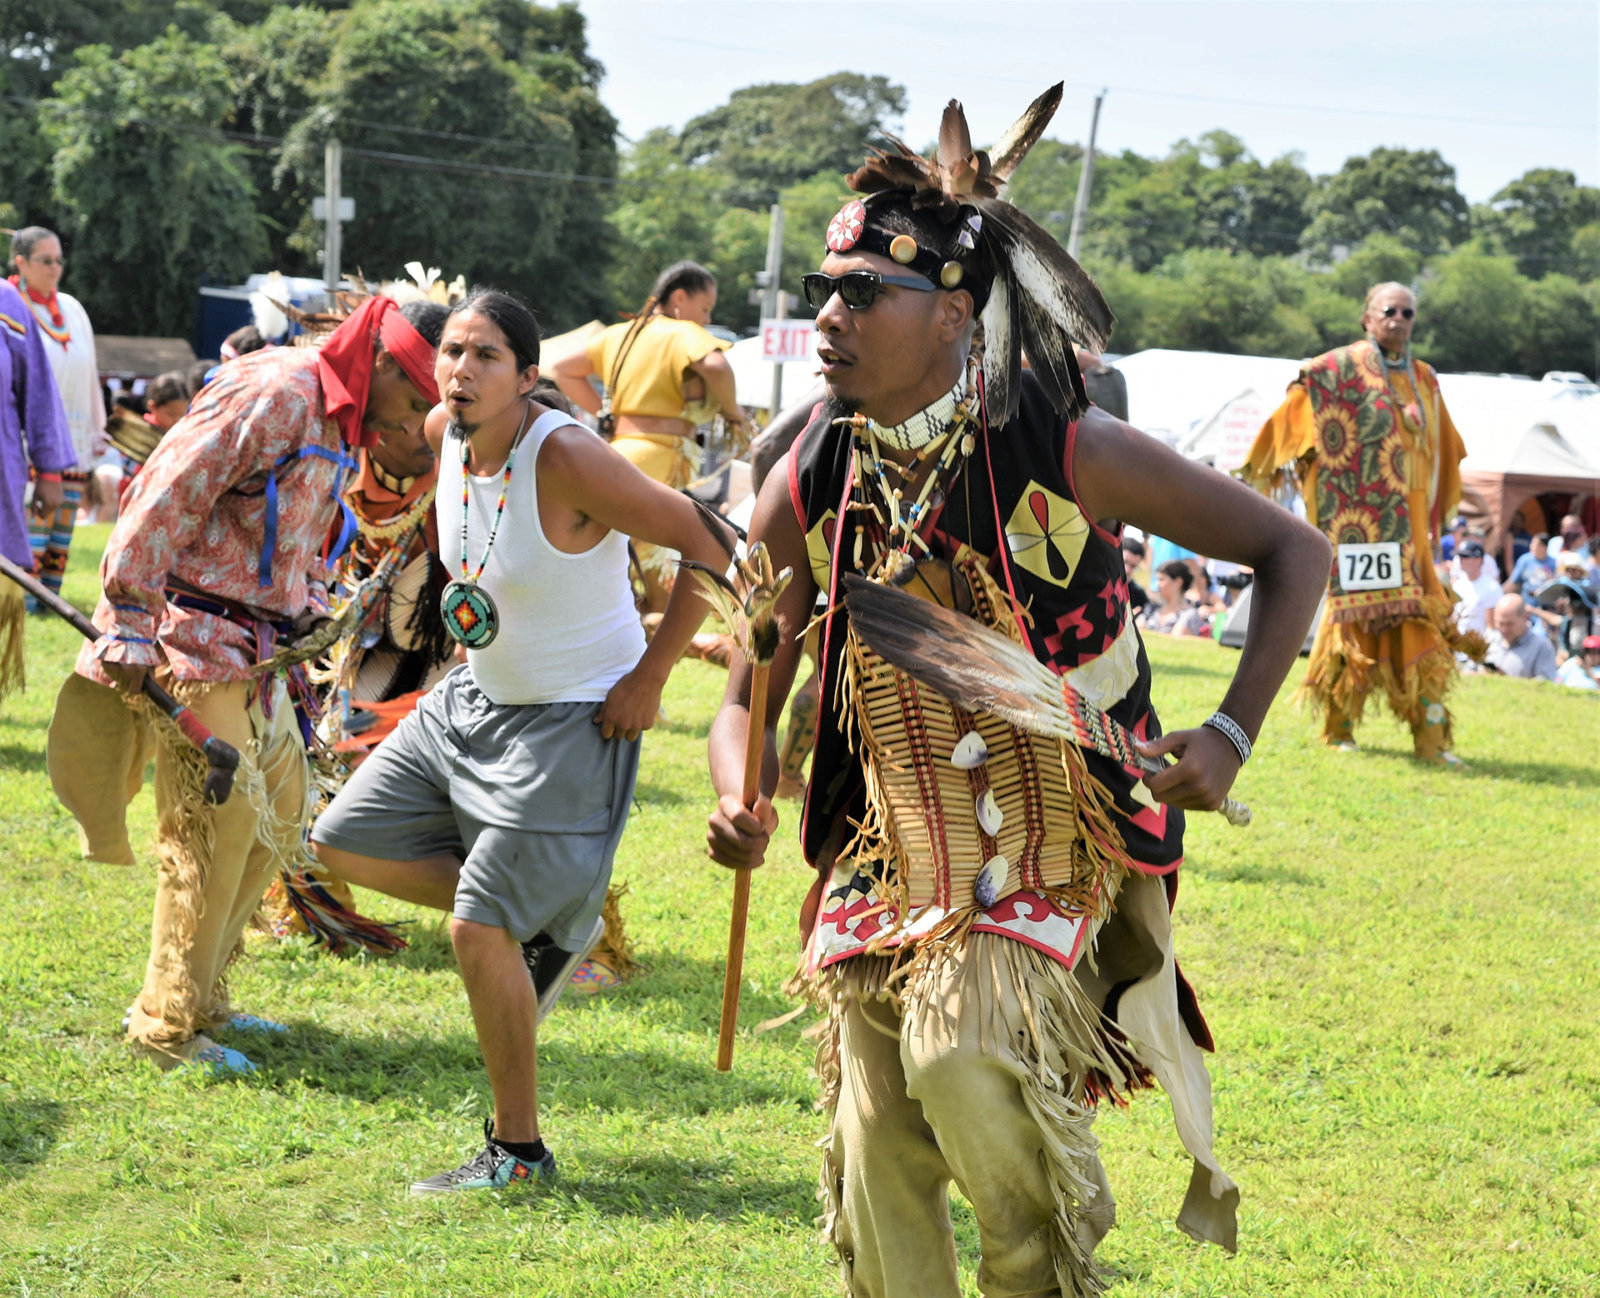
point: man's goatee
(837, 408)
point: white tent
(1224, 440)
(1172, 393)
(752, 376)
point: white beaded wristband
(1233, 730)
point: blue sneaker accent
(493, 1169)
(250, 1023)
(220, 1061)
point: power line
(1010, 79)
(425, 162)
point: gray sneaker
(492, 1169)
(551, 966)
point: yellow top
(655, 368)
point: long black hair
(427, 318)
(510, 315)
(690, 276)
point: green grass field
(1400, 966)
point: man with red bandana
(221, 551)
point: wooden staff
(733, 977)
(754, 623)
(222, 759)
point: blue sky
(1497, 87)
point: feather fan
(982, 671)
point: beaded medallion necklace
(469, 611)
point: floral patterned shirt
(198, 512)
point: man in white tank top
(503, 796)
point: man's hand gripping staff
(752, 618)
(222, 759)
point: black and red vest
(1063, 569)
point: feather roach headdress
(944, 218)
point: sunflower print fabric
(1364, 449)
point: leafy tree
(1334, 315)
(1377, 259)
(421, 77)
(767, 137)
(1210, 300)
(1209, 193)
(1535, 218)
(807, 209)
(1556, 329)
(662, 218)
(275, 66)
(1410, 194)
(25, 197)
(1471, 303)
(1586, 251)
(1248, 205)
(1145, 220)
(157, 200)
(38, 37)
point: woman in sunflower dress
(1365, 439)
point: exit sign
(783, 341)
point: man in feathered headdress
(990, 923)
(1365, 438)
(222, 550)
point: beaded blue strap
(347, 528)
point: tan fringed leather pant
(215, 861)
(922, 1105)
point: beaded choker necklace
(941, 432)
(923, 427)
(469, 611)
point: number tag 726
(1371, 565)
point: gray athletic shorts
(529, 796)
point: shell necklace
(940, 432)
(469, 611)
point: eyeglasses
(1408, 312)
(859, 289)
(49, 261)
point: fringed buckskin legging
(944, 1095)
(51, 538)
(215, 860)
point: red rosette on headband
(344, 364)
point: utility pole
(773, 305)
(333, 234)
(1080, 207)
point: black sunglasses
(1389, 312)
(858, 288)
